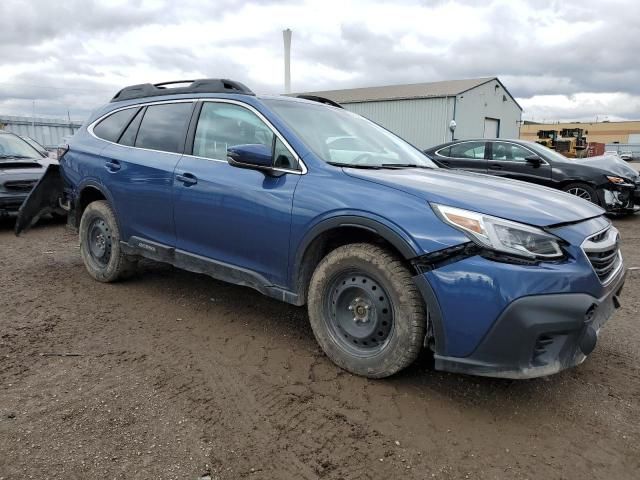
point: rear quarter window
(112, 126)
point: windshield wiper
(404, 165)
(14, 156)
(349, 165)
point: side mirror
(534, 160)
(252, 156)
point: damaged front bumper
(622, 199)
(539, 335)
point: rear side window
(111, 127)
(129, 135)
(472, 150)
(164, 127)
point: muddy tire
(100, 244)
(365, 310)
(584, 191)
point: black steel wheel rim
(99, 240)
(359, 313)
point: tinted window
(163, 127)
(283, 157)
(129, 135)
(474, 150)
(224, 125)
(111, 127)
(509, 152)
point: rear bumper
(539, 335)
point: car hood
(509, 199)
(611, 165)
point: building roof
(446, 88)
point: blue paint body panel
(262, 224)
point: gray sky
(561, 59)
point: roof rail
(315, 98)
(206, 85)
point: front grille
(603, 251)
(21, 186)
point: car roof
(465, 140)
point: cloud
(561, 59)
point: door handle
(495, 166)
(446, 162)
(112, 165)
(187, 179)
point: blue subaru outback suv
(311, 204)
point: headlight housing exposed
(619, 180)
(502, 235)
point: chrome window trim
(303, 168)
(616, 234)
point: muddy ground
(175, 375)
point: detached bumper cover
(539, 335)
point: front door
(509, 160)
(235, 216)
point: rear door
(138, 170)
(464, 155)
(508, 160)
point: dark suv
(311, 204)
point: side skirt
(212, 268)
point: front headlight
(619, 180)
(502, 235)
(615, 179)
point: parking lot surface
(175, 375)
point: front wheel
(584, 191)
(365, 310)
(100, 244)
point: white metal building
(49, 132)
(422, 112)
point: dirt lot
(175, 375)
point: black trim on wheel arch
(406, 249)
(434, 314)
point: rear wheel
(584, 191)
(365, 310)
(100, 244)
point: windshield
(546, 151)
(14, 147)
(343, 138)
(35, 144)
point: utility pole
(33, 119)
(286, 35)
